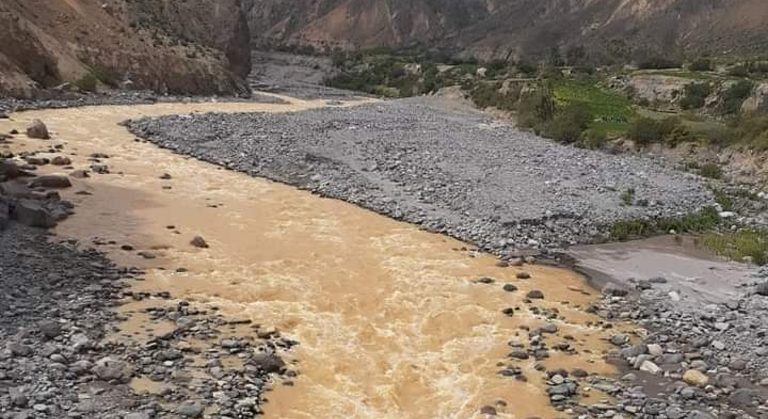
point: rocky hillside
(198, 46)
(610, 29)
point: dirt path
(390, 320)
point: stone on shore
(38, 130)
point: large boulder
(109, 369)
(50, 181)
(269, 363)
(33, 214)
(38, 130)
(10, 170)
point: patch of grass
(592, 139)
(703, 220)
(611, 112)
(87, 83)
(711, 171)
(488, 94)
(628, 197)
(645, 130)
(752, 131)
(738, 245)
(725, 201)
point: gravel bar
(443, 166)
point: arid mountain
(198, 46)
(494, 28)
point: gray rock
(518, 354)
(190, 410)
(743, 397)
(38, 130)
(19, 349)
(268, 362)
(61, 161)
(51, 181)
(33, 214)
(619, 339)
(49, 328)
(199, 241)
(535, 295)
(510, 288)
(109, 369)
(762, 289)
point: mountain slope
(202, 47)
(493, 28)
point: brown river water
(390, 321)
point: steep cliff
(199, 47)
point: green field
(612, 112)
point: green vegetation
(658, 62)
(490, 94)
(87, 83)
(382, 73)
(681, 73)
(753, 69)
(644, 131)
(569, 123)
(569, 104)
(628, 197)
(725, 201)
(704, 220)
(738, 245)
(711, 170)
(735, 95)
(702, 64)
(536, 108)
(752, 130)
(695, 95)
(611, 112)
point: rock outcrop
(615, 29)
(195, 47)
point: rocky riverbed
(687, 360)
(68, 348)
(60, 357)
(442, 166)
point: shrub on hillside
(752, 130)
(487, 95)
(527, 68)
(711, 170)
(739, 70)
(702, 64)
(719, 135)
(536, 108)
(593, 139)
(658, 63)
(735, 96)
(569, 123)
(695, 95)
(87, 83)
(644, 131)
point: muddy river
(391, 320)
